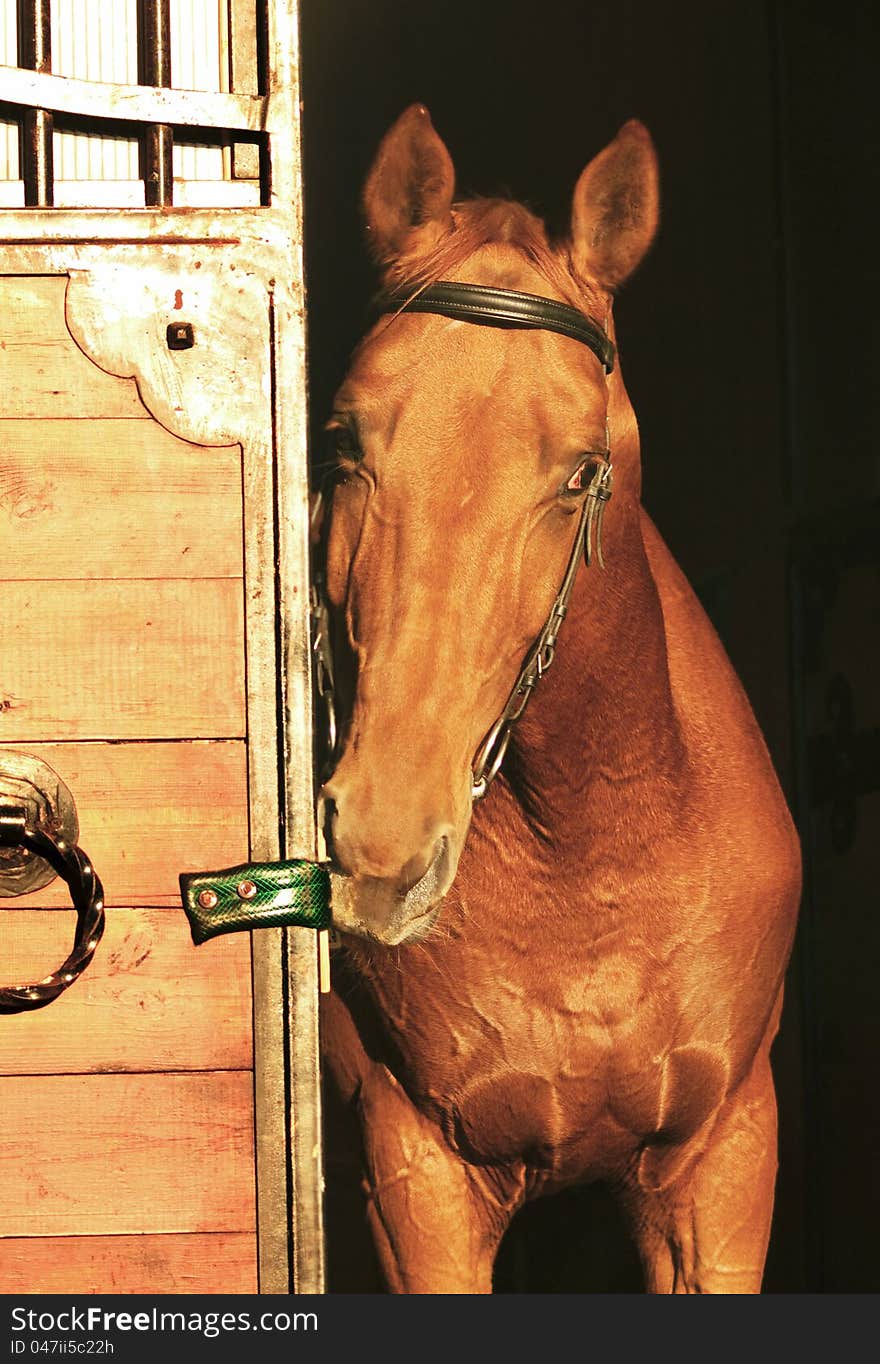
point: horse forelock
(483, 222)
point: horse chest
(561, 1068)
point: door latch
(38, 833)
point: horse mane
(482, 222)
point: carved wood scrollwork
(217, 391)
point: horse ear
(408, 193)
(616, 207)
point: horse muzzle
(382, 889)
(388, 911)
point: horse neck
(599, 752)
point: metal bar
(145, 226)
(154, 68)
(37, 124)
(270, 1111)
(306, 1135)
(139, 104)
(243, 75)
(300, 836)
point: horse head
(462, 457)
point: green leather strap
(256, 895)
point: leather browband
(504, 307)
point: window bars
(80, 64)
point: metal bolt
(207, 899)
(180, 336)
(246, 890)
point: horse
(573, 972)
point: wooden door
(153, 534)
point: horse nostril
(418, 868)
(366, 852)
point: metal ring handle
(87, 896)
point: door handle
(294, 893)
(38, 832)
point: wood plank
(114, 1154)
(149, 1000)
(213, 1263)
(148, 812)
(105, 660)
(43, 372)
(116, 499)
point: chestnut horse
(579, 977)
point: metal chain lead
(322, 649)
(322, 653)
(490, 754)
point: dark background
(748, 344)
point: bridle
(498, 308)
(503, 308)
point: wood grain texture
(105, 660)
(148, 812)
(212, 1263)
(43, 372)
(116, 499)
(114, 1154)
(148, 1001)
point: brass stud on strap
(207, 899)
(246, 890)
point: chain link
(490, 754)
(322, 654)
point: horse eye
(580, 479)
(342, 443)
